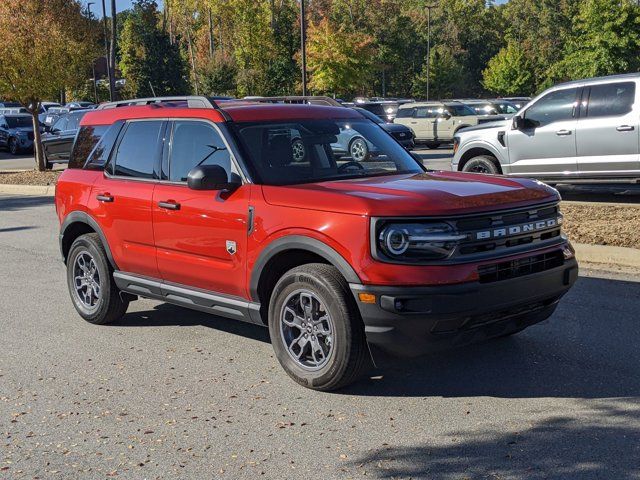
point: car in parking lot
(16, 132)
(435, 123)
(519, 102)
(58, 138)
(577, 131)
(385, 108)
(401, 133)
(491, 110)
(207, 208)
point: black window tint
(195, 143)
(87, 138)
(137, 152)
(104, 136)
(553, 107)
(611, 99)
(405, 112)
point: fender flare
(83, 217)
(476, 144)
(299, 242)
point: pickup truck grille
(506, 232)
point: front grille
(402, 136)
(503, 233)
(521, 267)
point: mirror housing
(211, 177)
(522, 123)
(446, 115)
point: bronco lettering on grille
(517, 229)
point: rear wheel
(433, 145)
(359, 150)
(315, 328)
(482, 164)
(89, 278)
(298, 150)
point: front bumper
(415, 320)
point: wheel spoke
(292, 319)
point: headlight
(415, 242)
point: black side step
(196, 299)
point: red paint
(188, 246)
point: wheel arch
(78, 223)
(286, 253)
(476, 151)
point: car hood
(424, 194)
(395, 127)
(485, 126)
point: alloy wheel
(86, 279)
(359, 150)
(298, 150)
(307, 330)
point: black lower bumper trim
(414, 320)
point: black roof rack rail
(184, 101)
(297, 99)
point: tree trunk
(37, 140)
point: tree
(339, 61)
(446, 73)
(606, 40)
(219, 76)
(44, 47)
(509, 72)
(149, 62)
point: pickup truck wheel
(315, 328)
(433, 145)
(93, 291)
(482, 164)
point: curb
(604, 254)
(32, 190)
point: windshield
(286, 153)
(17, 122)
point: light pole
(429, 7)
(303, 46)
(93, 63)
(106, 47)
(112, 53)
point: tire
(359, 150)
(101, 306)
(14, 148)
(299, 152)
(334, 353)
(433, 145)
(482, 164)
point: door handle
(169, 205)
(413, 123)
(105, 197)
(625, 128)
(563, 133)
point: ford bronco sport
(206, 206)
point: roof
(613, 78)
(15, 114)
(237, 111)
(422, 104)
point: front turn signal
(367, 297)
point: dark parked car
(16, 132)
(58, 140)
(80, 105)
(385, 109)
(401, 133)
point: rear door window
(137, 153)
(611, 99)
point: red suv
(247, 210)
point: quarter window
(138, 150)
(553, 107)
(611, 99)
(193, 144)
(87, 138)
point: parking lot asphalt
(171, 393)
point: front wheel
(359, 150)
(315, 328)
(14, 148)
(482, 164)
(91, 286)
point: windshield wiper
(214, 150)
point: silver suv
(577, 131)
(434, 123)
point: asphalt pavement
(171, 393)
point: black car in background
(402, 133)
(386, 109)
(58, 138)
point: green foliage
(509, 72)
(148, 58)
(218, 77)
(447, 76)
(606, 40)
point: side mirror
(518, 122)
(446, 115)
(211, 177)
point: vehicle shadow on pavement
(562, 447)
(14, 203)
(165, 314)
(585, 350)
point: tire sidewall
(337, 309)
(84, 244)
(14, 149)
